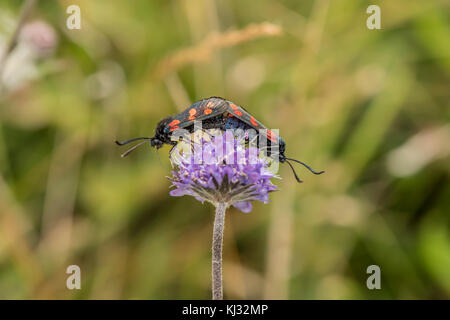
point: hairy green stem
(217, 243)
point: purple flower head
(228, 173)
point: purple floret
(234, 184)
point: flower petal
(178, 192)
(244, 206)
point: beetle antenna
(306, 166)
(293, 171)
(131, 140)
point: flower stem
(219, 223)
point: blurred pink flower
(40, 36)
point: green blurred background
(371, 107)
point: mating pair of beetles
(215, 113)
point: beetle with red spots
(215, 113)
